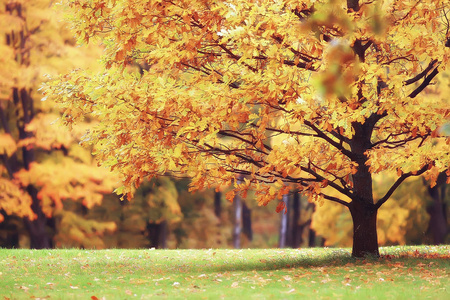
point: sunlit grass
(402, 273)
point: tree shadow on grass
(337, 258)
(204, 262)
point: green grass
(401, 273)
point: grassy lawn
(402, 273)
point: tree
(438, 210)
(41, 163)
(283, 240)
(340, 82)
(295, 227)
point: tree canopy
(308, 95)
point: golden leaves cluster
(268, 90)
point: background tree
(437, 210)
(295, 227)
(41, 163)
(341, 83)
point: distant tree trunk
(10, 232)
(247, 221)
(218, 204)
(37, 229)
(437, 211)
(284, 226)
(218, 214)
(311, 237)
(237, 228)
(296, 238)
(24, 108)
(157, 234)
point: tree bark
(362, 207)
(247, 221)
(438, 221)
(296, 238)
(39, 237)
(217, 204)
(353, 4)
(365, 237)
(37, 228)
(24, 106)
(237, 228)
(284, 225)
(157, 234)
(311, 236)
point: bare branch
(397, 183)
(424, 84)
(335, 199)
(423, 73)
(335, 144)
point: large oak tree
(342, 85)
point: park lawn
(401, 273)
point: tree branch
(332, 184)
(423, 73)
(353, 4)
(424, 84)
(322, 135)
(335, 199)
(237, 136)
(397, 184)
(4, 120)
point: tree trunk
(217, 204)
(247, 221)
(362, 207)
(365, 238)
(37, 229)
(353, 4)
(237, 228)
(296, 238)
(438, 221)
(24, 108)
(157, 234)
(311, 237)
(283, 241)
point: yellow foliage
(315, 94)
(14, 201)
(7, 144)
(60, 178)
(75, 231)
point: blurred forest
(52, 194)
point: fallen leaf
(22, 287)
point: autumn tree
(340, 82)
(42, 164)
